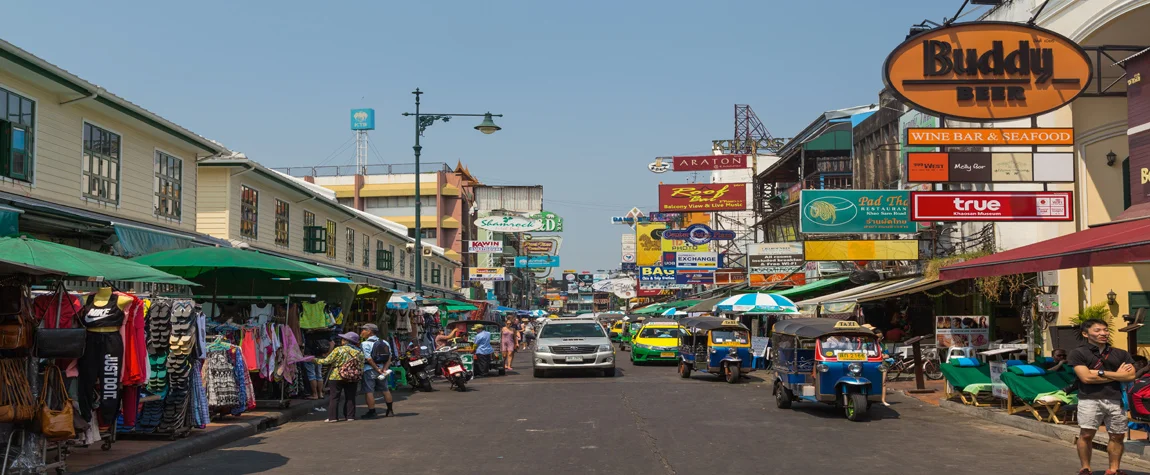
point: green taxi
(655, 341)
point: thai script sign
(856, 211)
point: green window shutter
(1140, 300)
(315, 239)
(383, 260)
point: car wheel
(782, 397)
(537, 373)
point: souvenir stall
(370, 306)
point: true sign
(992, 206)
(703, 197)
(485, 247)
(987, 71)
(708, 162)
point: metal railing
(376, 169)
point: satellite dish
(864, 277)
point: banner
(962, 331)
(703, 197)
(692, 163)
(628, 248)
(992, 206)
(536, 261)
(485, 247)
(986, 137)
(777, 280)
(856, 211)
(987, 167)
(487, 273)
(694, 276)
(775, 257)
(656, 275)
(696, 260)
(901, 250)
(648, 238)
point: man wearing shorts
(1101, 370)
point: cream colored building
(83, 166)
(249, 204)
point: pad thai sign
(987, 71)
(856, 211)
(703, 197)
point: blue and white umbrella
(400, 302)
(757, 303)
(672, 312)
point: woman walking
(507, 340)
(346, 362)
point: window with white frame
(283, 221)
(331, 253)
(168, 185)
(100, 178)
(402, 263)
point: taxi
(656, 340)
(616, 332)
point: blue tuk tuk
(829, 361)
(714, 345)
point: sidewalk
(137, 455)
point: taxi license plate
(852, 356)
(574, 359)
(667, 354)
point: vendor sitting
(442, 340)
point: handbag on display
(59, 342)
(16, 402)
(16, 324)
(55, 424)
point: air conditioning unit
(426, 252)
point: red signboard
(703, 197)
(708, 162)
(992, 206)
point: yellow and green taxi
(655, 341)
(616, 332)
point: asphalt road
(646, 420)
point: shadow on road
(878, 412)
(244, 461)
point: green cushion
(978, 388)
(1029, 387)
(963, 376)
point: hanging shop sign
(699, 234)
(1137, 132)
(696, 218)
(856, 211)
(536, 261)
(987, 167)
(695, 276)
(911, 119)
(776, 280)
(628, 267)
(730, 276)
(693, 163)
(664, 217)
(633, 217)
(487, 273)
(703, 197)
(992, 206)
(541, 246)
(485, 247)
(552, 223)
(509, 224)
(660, 165)
(791, 194)
(656, 274)
(962, 332)
(649, 239)
(862, 250)
(990, 137)
(987, 71)
(774, 257)
(696, 260)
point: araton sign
(987, 71)
(509, 224)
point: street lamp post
(422, 122)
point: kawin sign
(987, 71)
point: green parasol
(79, 263)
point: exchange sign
(993, 206)
(696, 260)
(856, 211)
(703, 197)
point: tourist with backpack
(346, 363)
(378, 358)
(1101, 370)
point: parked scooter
(419, 362)
(451, 367)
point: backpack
(351, 369)
(1139, 397)
(380, 352)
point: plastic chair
(960, 352)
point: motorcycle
(451, 367)
(420, 369)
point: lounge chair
(969, 382)
(1028, 386)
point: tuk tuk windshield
(659, 333)
(730, 336)
(850, 343)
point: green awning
(197, 261)
(452, 305)
(811, 287)
(79, 263)
(653, 308)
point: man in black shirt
(1101, 370)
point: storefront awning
(9, 220)
(133, 241)
(915, 286)
(811, 287)
(1109, 244)
(843, 303)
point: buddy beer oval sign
(987, 71)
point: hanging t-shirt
(313, 315)
(45, 306)
(261, 313)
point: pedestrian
(375, 373)
(1101, 370)
(528, 337)
(507, 343)
(316, 348)
(346, 362)
(483, 350)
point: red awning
(1113, 243)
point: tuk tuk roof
(816, 327)
(709, 323)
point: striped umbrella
(756, 303)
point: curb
(202, 442)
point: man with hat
(483, 350)
(375, 369)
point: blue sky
(591, 90)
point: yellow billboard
(903, 250)
(696, 218)
(649, 251)
(675, 245)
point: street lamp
(422, 122)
